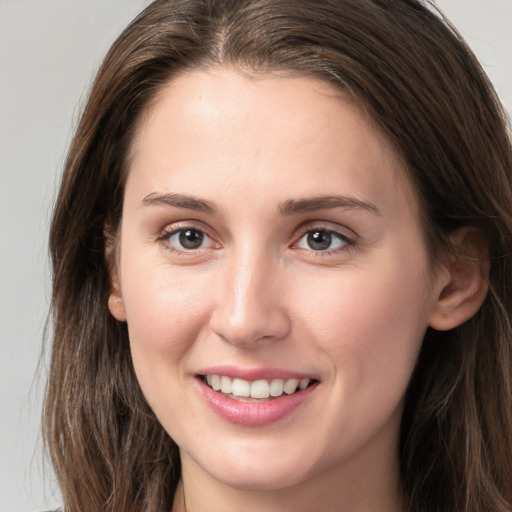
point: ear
(115, 299)
(464, 280)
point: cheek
(161, 316)
(370, 324)
(165, 316)
(164, 324)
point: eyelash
(167, 234)
(346, 242)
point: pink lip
(253, 413)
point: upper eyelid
(347, 241)
(342, 236)
(174, 227)
(328, 226)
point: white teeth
(276, 387)
(216, 382)
(290, 386)
(258, 389)
(226, 385)
(241, 388)
(304, 383)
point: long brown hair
(417, 79)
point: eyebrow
(180, 201)
(295, 206)
(290, 207)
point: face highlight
(274, 278)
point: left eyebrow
(295, 206)
(180, 201)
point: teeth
(290, 386)
(260, 389)
(303, 384)
(226, 385)
(276, 387)
(216, 382)
(257, 389)
(240, 387)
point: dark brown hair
(418, 81)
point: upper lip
(253, 374)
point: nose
(250, 308)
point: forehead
(217, 126)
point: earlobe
(465, 285)
(116, 306)
(115, 299)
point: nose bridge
(250, 308)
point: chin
(262, 478)
(265, 469)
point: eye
(323, 240)
(187, 239)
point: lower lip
(254, 413)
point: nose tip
(244, 331)
(251, 310)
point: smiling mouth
(255, 391)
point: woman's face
(271, 242)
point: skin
(255, 294)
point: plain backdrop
(49, 51)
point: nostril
(251, 327)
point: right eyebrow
(180, 201)
(294, 206)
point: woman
(282, 267)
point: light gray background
(49, 50)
